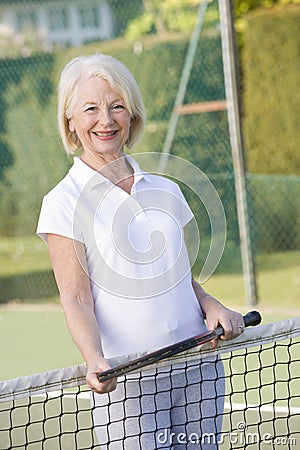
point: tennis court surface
(261, 404)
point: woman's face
(100, 118)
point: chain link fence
(152, 39)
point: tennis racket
(252, 318)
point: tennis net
(259, 408)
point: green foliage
(124, 11)
(271, 64)
(140, 26)
(22, 254)
(162, 17)
(243, 6)
(275, 211)
(34, 146)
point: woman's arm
(217, 314)
(70, 269)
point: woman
(120, 262)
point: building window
(26, 19)
(89, 16)
(58, 18)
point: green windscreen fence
(152, 39)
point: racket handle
(252, 318)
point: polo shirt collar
(138, 172)
(84, 174)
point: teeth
(105, 134)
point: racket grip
(252, 318)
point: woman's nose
(105, 116)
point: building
(60, 22)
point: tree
(243, 6)
(38, 158)
(162, 17)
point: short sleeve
(186, 214)
(56, 218)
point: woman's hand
(217, 314)
(93, 369)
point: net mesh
(259, 408)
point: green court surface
(34, 338)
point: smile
(105, 134)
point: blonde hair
(120, 79)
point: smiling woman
(116, 241)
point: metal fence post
(236, 141)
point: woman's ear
(71, 126)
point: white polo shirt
(136, 256)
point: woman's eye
(117, 107)
(91, 109)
